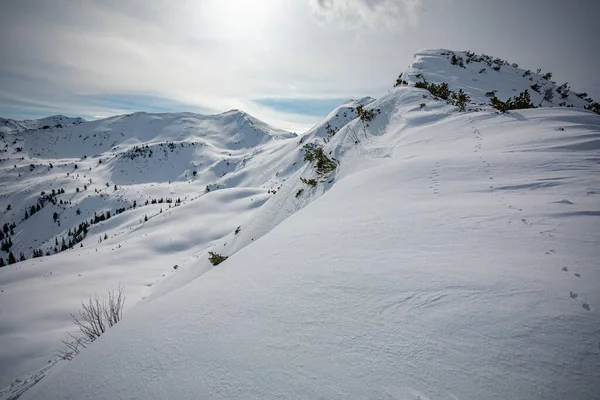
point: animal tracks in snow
(496, 191)
(434, 178)
(575, 295)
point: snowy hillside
(55, 121)
(483, 76)
(424, 252)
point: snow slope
(12, 125)
(450, 255)
(135, 167)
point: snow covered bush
(454, 60)
(522, 101)
(400, 81)
(442, 91)
(595, 107)
(564, 90)
(216, 259)
(460, 99)
(364, 114)
(548, 96)
(309, 182)
(323, 164)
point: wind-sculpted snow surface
(448, 255)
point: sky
(286, 62)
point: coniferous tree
(594, 107)
(22, 257)
(2, 264)
(461, 99)
(523, 100)
(11, 258)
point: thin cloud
(373, 14)
(87, 57)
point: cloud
(373, 14)
(280, 60)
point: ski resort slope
(453, 256)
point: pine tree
(594, 107)
(22, 257)
(2, 264)
(461, 100)
(523, 101)
(11, 258)
(26, 215)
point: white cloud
(374, 14)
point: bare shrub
(93, 319)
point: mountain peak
(482, 77)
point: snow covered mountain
(400, 249)
(55, 121)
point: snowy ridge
(11, 125)
(448, 255)
(483, 76)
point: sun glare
(241, 19)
